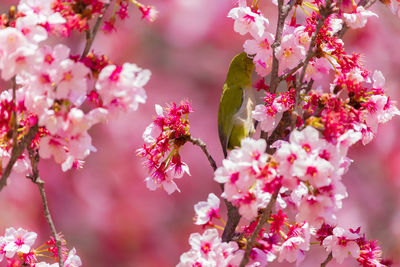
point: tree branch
(263, 219)
(198, 142)
(283, 11)
(91, 35)
(233, 213)
(16, 153)
(325, 11)
(34, 157)
(291, 72)
(328, 259)
(278, 132)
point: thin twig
(283, 11)
(16, 152)
(263, 219)
(291, 72)
(198, 142)
(14, 113)
(327, 10)
(34, 157)
(278, 132)
(328, 259)
(91, 35)
(233, 213)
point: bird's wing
(229, 98)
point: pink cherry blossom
(3, 243)
(28, 25)
(260, 47)
(267, 122)
(18, 241)
(72, 260)
(208, 250)
(162, 151)
(293, 248)
(122, 86)
(289, 53)
(247, 21)
(192, 258)
(245, 174)
(206, 243)
(71, 81)
(206, 210)
(16, 53)
(379, 79)
(341, 244)
(149, 13)
(42, 9)
(382, 110)
(358, 19)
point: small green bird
(237, 102)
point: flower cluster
(311, 168)
(77, 14)
(333, 102)
(16, 247)
(249, 177)
(342, 243)
(53, 88)
(208, 250)
(149, 13)
(163, 140)
(270, 113)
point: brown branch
(34, 157)
(16, 153)
(198, 142)
(278, 132)
(263, 219)
(325, 11)
(283, 11)
(291, 72)
(18, 149)
(232, 222)
(91, 35)
(233, 213)
(14, 112)
(328, 259)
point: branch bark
(35, 178)
(233, 213)
(328, 259)
(17, 152)
(198, 142)
(283, 11)
(263, 219)
(324, 13)
(90, 35)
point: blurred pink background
(105, 210)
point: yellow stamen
(331, 62)
(218, 227)
(309, 5)
(305, 11)
(222, 220)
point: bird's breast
(244, 116)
